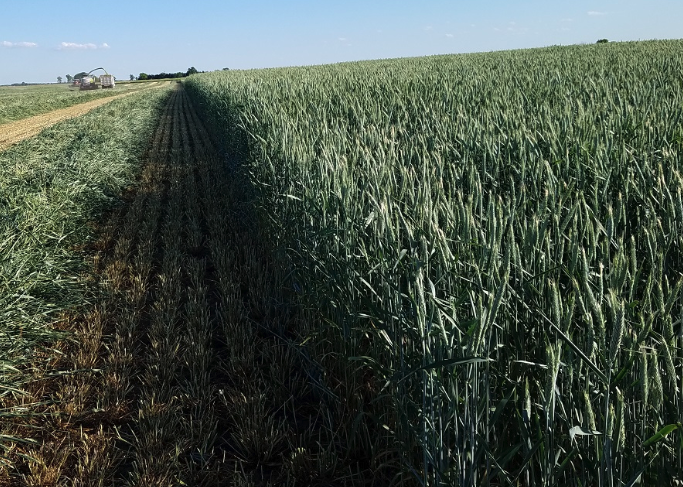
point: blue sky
(40, 40)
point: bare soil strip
(13, 132)
(184, 373)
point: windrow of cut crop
(492, 242)
(17, 103)
(52, 190)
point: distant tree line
(145, 76)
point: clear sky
(40, 40)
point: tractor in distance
(87, 81)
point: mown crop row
(493, 243)
(21, 102)
(51, 188)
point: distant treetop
(145, 76)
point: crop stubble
(184, 372)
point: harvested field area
(185, 371)
(13, 132)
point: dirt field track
(13, 132)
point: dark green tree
(69, 78)
(192, 70)
(59, 80)
(143, 76)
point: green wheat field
(487, 250)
